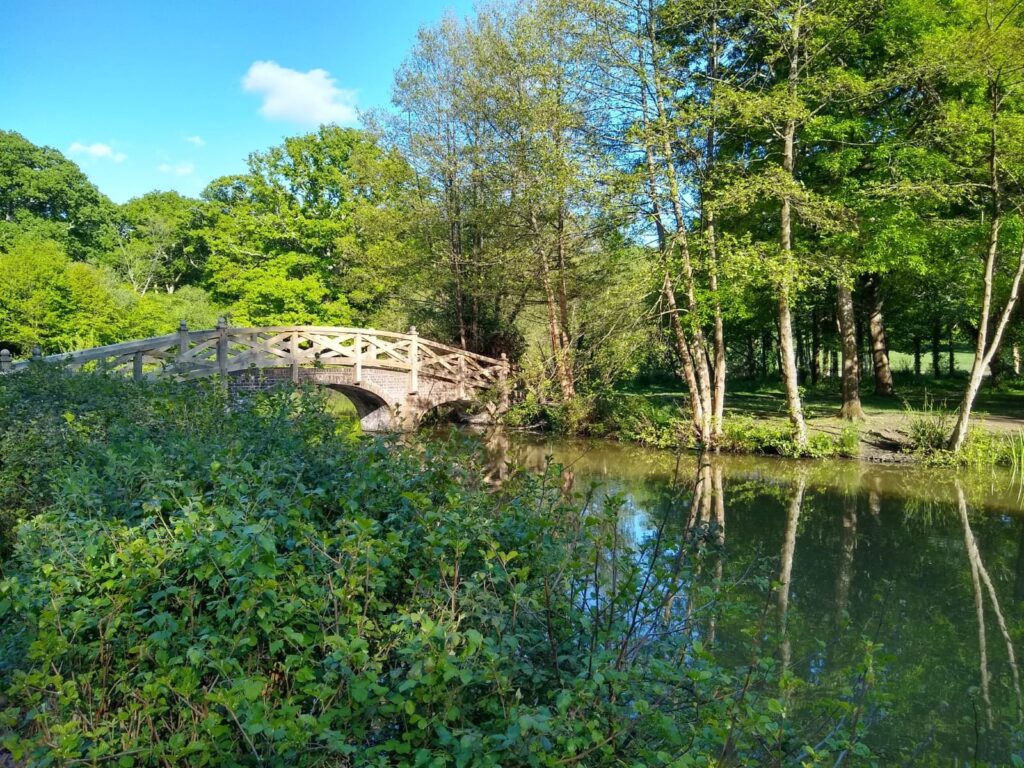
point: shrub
(747, 435)
(644, 420)
(928, 428)
(207, 582)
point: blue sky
(170, 94)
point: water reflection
(926, 567)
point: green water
(925, 564)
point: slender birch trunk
(786, 347)
(692, 357)
(986, 348)
(718, 392)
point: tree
(45, 196)
(499, 126)
(49, 301)
(153, 249)
(975, 63)
(310, 234)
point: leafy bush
(928, 431)
(929, 427)
(748, 435)
(642, 420)
(533, 411)
(199, 581)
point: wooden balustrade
(224, 350)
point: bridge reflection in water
(393, 379)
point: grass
(917, 420)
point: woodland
(776, 226)
(611, 192)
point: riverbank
(189, 579)
(909, 427)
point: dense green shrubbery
(928, 430)
(643, 420)
(748, 435)
(535, 411)
(197, 581)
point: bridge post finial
(5, 361)
(222, 349)
(414, 361)
(37, 353)
(182, 341)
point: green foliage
(928, 427)
(656, 423)
(213, 582)
(45, 196)
(746, 434)
(154, 250)
(315, 232)
(534, 411)
(50, 301)
(159, 312)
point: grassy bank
(913, 425)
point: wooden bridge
(393, 379)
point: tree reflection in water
(979, 577)
(882, 588)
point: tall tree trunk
(936, 349)
(562, 361)
(560, 348)
(801, 358)
(951, 351)
(718, 393)
(985, 349)
(917, 356)
(851, 408)
(879, 349)
(788, 353)
(847, 545)
(455, 252)
(563, 291)
(862, 340)
(689, 337)
(815, 346)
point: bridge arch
(375, 413)
(391, 378)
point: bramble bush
(191, 580)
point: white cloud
(197, 140)
(96, 150)
(310, 97)
(182, 169)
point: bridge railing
(224, 350)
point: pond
(923, 564)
